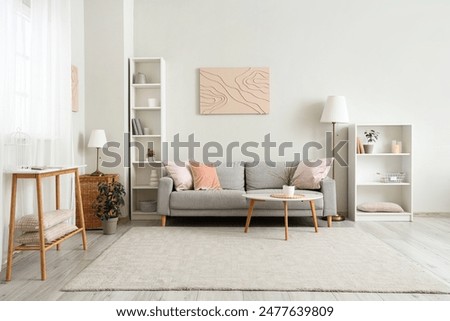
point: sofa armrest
(164, 190)
(328, 189)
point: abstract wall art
(234, 91)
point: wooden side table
(43, 247)
(89, 193)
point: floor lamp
(335, 111)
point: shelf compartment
(144, 213)
(383, 154)
(141, 187)
(146, 136)
(146, 86)
(382, 184)
(384, 216)
(146, 108)
(144, 216)
(146, 163)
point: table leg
(41, 226)
(314, 217)
(12, 222)
(57, 198)
(249, 215)
(285, 203)
(79, 208)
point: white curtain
(35, 93)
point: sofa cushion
(274, 205)
(231, 175)
(204, 176)
(181, 175)
(30, 223)
(380, 207)
(208, 200)
(50, 234)
(309, 177)
(262, 175)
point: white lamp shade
(97, 138)
(335, 110)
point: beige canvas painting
(234, 91)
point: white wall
(390, 59)
(78, 118)
(108, 43)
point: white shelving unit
(364, 181)
(151, 117)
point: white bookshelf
(151, 117)
(364, 179)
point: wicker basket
(89, 193)
(393, 177)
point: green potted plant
(108, 203)
(371, 137)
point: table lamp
(335, 111)
(97, 140)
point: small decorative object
(288, 190)
(153, 178)
(393, 177)
(140, 78)
(147, 131)
(152, 102)
(108, 203)
(372, 137)
(396, 147)
(18, 151)
(151, 155)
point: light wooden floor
(426, 241)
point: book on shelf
(134, 127)
(360, 147)
(139, 127)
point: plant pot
(368, 148)
(288, 190)
(110, 226)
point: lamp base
(335, 218)
(97, 173)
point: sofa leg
(329, 220)
(163, 220)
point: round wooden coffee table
(279, 198)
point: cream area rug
(214, 258)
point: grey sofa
(239, 178)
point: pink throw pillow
(181, 175)
(205, 177)
(306, 177)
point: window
(22, 88)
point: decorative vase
(368, 148)
(154, 178)
(110, 226)
(288, 190)
(140, 78)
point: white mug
(152, 102)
